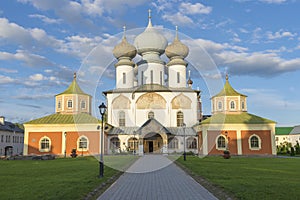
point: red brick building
(232, 128)
(71, 126)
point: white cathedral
(148, 112)
(153, 109)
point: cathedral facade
(149, 112)
(152, 109)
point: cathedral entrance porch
(153, 143)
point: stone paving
(155, 177)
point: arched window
(82, 143)
(151, 115)
(178, 77)
(191, 143)
(70, 103)
(220, 105)
(232, 105)
(133, 144)
(179, 119)
(114, 143)
(121, 118)
(173, 143)
(243, 105)
(82, 104)
(59, 104)
(254, 142)
(221, 142)
(45, 144)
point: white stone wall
(172, 78)
(7, 139)
(167, 116)
(129, 73)
(281, 139)
(156, 68)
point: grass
(120, 162)
(249, 178)
(63, 178)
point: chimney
(2, 120)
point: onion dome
(124, 49)
(177, 49)
(150, 40)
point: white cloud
(178, 19)
(206, 55)
(80, 47)
(45, 19)
(273, 1)
(196, 8)
(31, 60)
(280, 34)
(34, 97)
(269, 98)
(6, 79)
(180, 12)
(27, 38)
(6, 70)
(36, 77)
(79, 13)
(265, 1)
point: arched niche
(151, 101)
(181, 102)
(121, 102)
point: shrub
(190, 153)
(292, 151)
(297, 147)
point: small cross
(124, 30)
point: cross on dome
(176, 36)
(149, 17)
(124, 31)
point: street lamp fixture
(65, 134)
(102, 110)
(184, 153)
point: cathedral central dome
(150, 41)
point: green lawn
(51, 179)
(250, 178)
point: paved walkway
(155, 177)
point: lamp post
(65, 134)
(184, 154)
(134, 147)
(102, 109)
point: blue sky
(44, 42)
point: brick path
(155, 177)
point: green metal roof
(228, 90)
(283, 130)
(58, 118)
(73, 88)
(243, 118)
